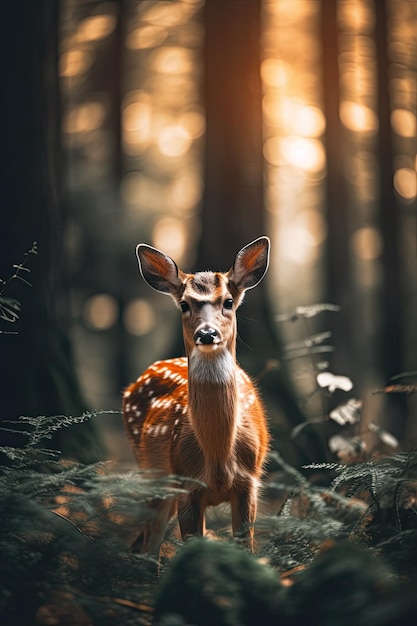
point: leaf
(348, 413)
(9, 309)
(348, 449)
(307, 312)
(309, 342)
(412, 373)
(397, 389)
(332, 382)
(387, 438)
(310, 345)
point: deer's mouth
(208, 347)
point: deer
(200, 416)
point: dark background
(197, 127)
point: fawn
(200, 416)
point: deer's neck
(213, 407)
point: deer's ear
(159, 270)
(250, 264)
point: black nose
(206, 336)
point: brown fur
(200, 416)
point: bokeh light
(75, 62)
(367, 243)
(403, 122)
(306, 154)
(169, 235)
(96, 27)
(85, 117)
(171, 60)
(100, 311)
(139, 317)
(358, 118)
(174, 140)
(405, 183)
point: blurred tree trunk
(338, 272)
(391, 344)
(38, 376)
(233, 208)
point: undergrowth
(66, 530)
(336, 540)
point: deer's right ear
(158, 269)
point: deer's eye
(184, 306)
(228, 304)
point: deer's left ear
(250, 264)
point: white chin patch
(207, 347)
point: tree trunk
(38, 376)
(233, 207)
(391, 344)
(338, 271)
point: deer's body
(200, 416)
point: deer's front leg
(191, 515)
(243, 503)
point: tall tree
(233, 207)
(38, 376)
(391, 343)
(338, 274)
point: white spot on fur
(162, 403)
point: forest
(196, 127)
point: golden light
(306, 154)
(301, 119)
(173, 140)
(101, 311)
(136, 123)
(85, 118)
(300, 240)
(355, 15)
(358, 118)
(403, 122)
(136, 117)
(405, 183)
(309, 121)
(272, 109)
(139, 317)
(173, 60)
(185, 192)
(367, 243)
(169, 234)
(295, 117)
(273, 72)
(296, 245)
(75, 63)
(163, 13)
(272, 151)
(96, 27)
(148, 36)
(194, 123)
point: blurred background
(196, 127)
